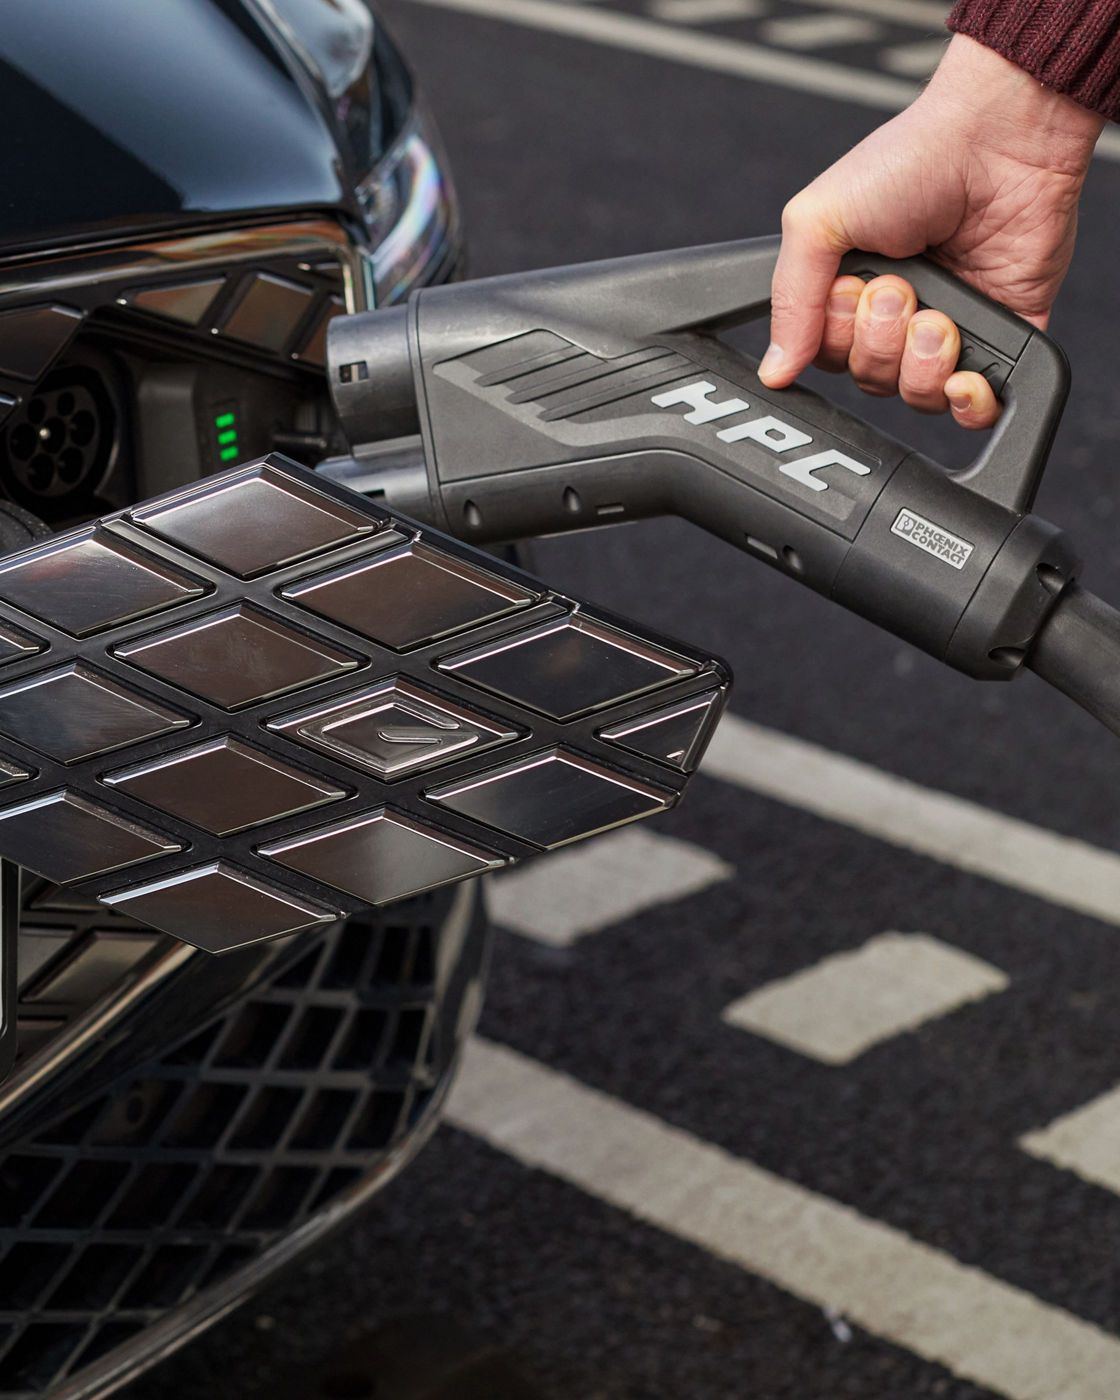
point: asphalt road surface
(809, 1089)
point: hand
(983, 172)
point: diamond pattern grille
(268, 613)
(177, 1175)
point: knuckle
(921, 380)
(798, 215)
(875, 362)
(881, 345)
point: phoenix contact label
(932, 538)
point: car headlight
(409, 208)
(404, 194)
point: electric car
(192, 191)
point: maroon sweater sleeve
(1072, 46)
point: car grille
(177, 1176)
(91, 336)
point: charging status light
(225, 425)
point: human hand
(983, 172)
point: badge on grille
(261, 703)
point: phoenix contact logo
(783, 439)
(932, 538)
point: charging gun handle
(586, 395)
(715, 288)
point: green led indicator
(226, 425)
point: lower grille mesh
(181, 1173)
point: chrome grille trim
(107, 268)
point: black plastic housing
(589, 395)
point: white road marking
(718, 54)
(1059, 869)
(913, 60)
(853, 1000)
(712, 52)
(921, 14)
(1086, 1141)
(877, 1277)
(589, 887)
(705, 11)
(818, 31)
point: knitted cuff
(1072, 46)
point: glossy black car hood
(119, 115)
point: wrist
(991, 100)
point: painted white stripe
(709, 51)
(913, 60)
(815, 1248)
(717, 53)
(1108, 144)
(922, 14)
(600, 883)
(1086, 1141)
(818, 31)
(853, 1000)
(1065, 871)
(705, 11)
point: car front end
(193, 190)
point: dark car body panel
(167, 165)
(204, 114)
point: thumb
(803, 276)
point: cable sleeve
(1078, 653)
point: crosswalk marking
(845, 1004)
(705, 11)
(818, 31)
(916, 60)
(1065, 871)
(1086, 1141)
(815, 1248)
(602, 882)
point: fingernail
(843, 303)
(927, 340)
(773, 360)
(887, 305)
(961, 402)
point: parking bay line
(809, 1245)
(716, 53)
(804, 32)
(838, 1008)
(600, 882)
(923, 14)
(1060, 869)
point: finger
(933, 346)
(884, 312)
(839, 324)
(803, 276)
(972, 400)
